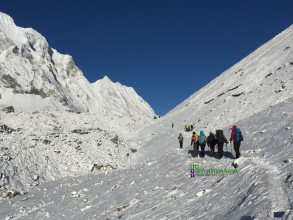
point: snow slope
(262, 79)
(155, 182)
(259, 81)
(161, 187)
(35, 77)
(53, 145)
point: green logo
(195, 170)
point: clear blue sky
(165, 49)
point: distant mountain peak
(13, 32)
(107, 82)
(34, 76)
(106, 79)
(6, 19)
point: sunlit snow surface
(112, 161)
(160, 187)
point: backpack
(238, 135)
(210, 139)
(220, 136)
(202, 139)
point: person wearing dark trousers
(194, 141)
(237, 148)
(202, 139)
(236, 137)
(220, 149)
(202, 148)
(180, 138)
(221, 139)
(211, 141)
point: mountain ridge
(30, 67)
(266, 72)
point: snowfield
(52, 145)
(77, 150)
(160, 186)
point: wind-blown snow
(102, 166)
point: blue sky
(165, 49)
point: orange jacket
(194, 138)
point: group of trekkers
(212, 140)
(188, 127)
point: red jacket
(233, 132)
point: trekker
(194, 140)
(202, 140)
(221, 139)
(180, 138)
(211, 141)
(236, 137)
(172, 125)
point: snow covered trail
(149, 191)
(153, 190)
(269, 177)
(159, 186)
(274, 185)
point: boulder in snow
(8, 109)
(11, 194)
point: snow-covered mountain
(255, 94)
(36, 77)
(259, 81)
(61, 124)
(262, 79)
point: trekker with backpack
(180, 138)
(202, 140)
(211, 141)
(191, 127)
(236, 137)
(221, 139)
(194, 141)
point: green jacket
(180, 137)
